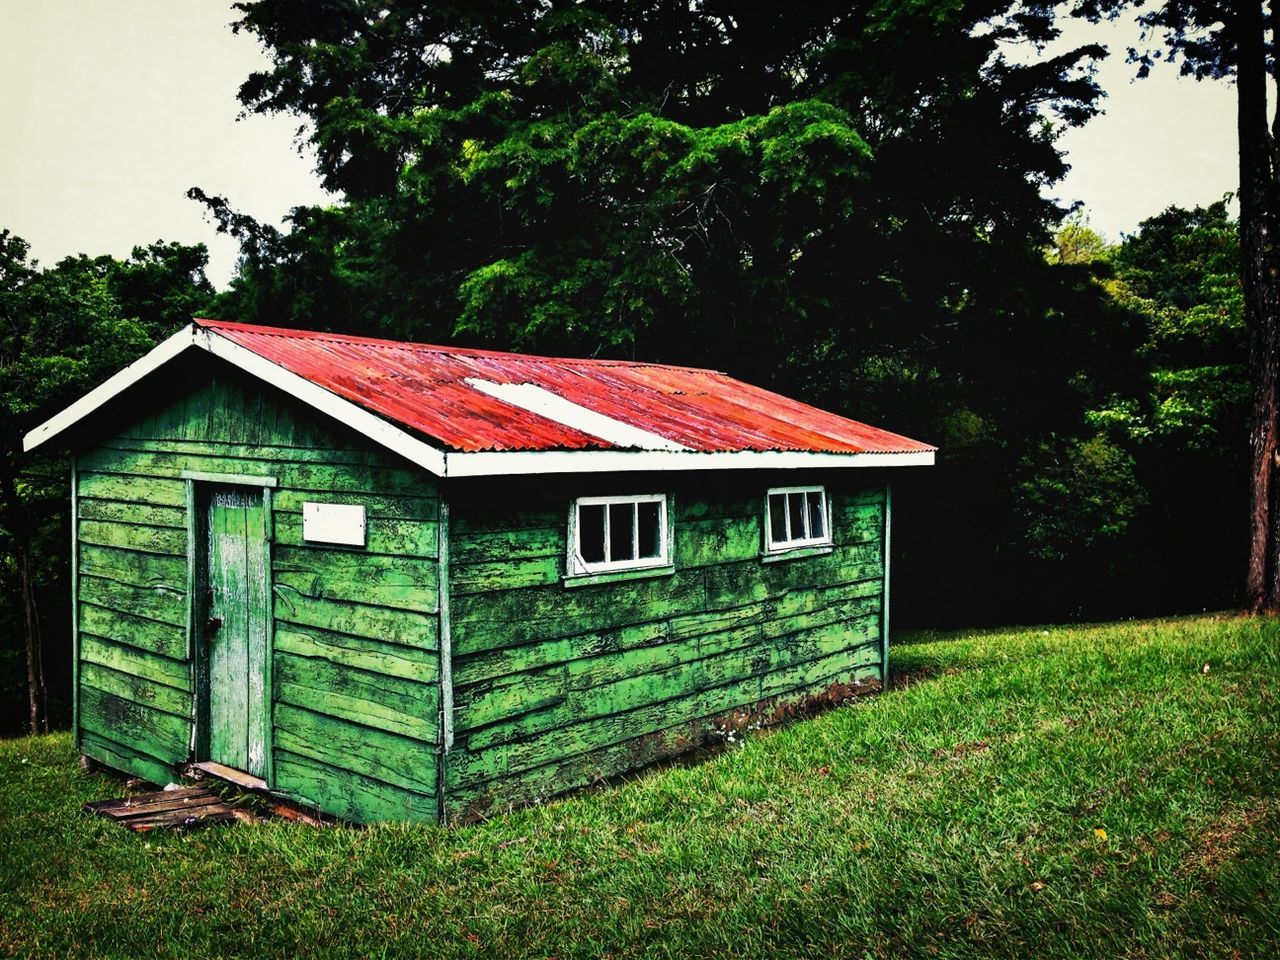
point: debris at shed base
(187, 808)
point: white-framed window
(796, 517)
(618, 533)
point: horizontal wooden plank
(382, 702)
(151, 731)
(399, 761)
(120, 511)
(856, 522)
(127, 758)
(159, 602)
(405, 583)
(469, 518)
(574, 770)
(350, 796)
(703, 543)
(733, 584)
(772, 608)
(155, 491)
(104, 806)
(405, 627)
(271, 452)
(150, 805)
(137, 689)
(713, 502)
(482, 704)
(466, 803)
(386, 505)
(351, 478)
(374, 656)
(144, 539)
(134, 661)
(511, 618)
(597, 689)
(468, 766)
(489, 664)
(585, 664)
(246, 781)
(677, 683)
(504, 661)
(500, 546)
(383, 535)
(465, 578)
(132, 567)
(150, 635)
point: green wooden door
(236, 630)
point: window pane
(622, 524)
(796, 502)
(591, 532)
(777, 517)
(650, 529)
(817, 515)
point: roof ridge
(210, 323)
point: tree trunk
(17, 522)
(37, 701)
(1258, 276)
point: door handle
(211, 627)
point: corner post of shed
(446, 656)
(884, 600)
(75, 604)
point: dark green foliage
(796, 195)
(841, 201)
(64, 329)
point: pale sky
(111, 109)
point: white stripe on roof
(539, 400)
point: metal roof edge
(432, 458)
(117, 383)
(511, 463)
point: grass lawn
(1056, 792)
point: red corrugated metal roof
(425, 388)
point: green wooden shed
(400, 581)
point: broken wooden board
(187, 808)
(245, 781)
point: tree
(839, 200)
(703, 182)
(1237, 41)
(62, 330)
(1169, 454)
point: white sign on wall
(333, 523)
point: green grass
(960, 816)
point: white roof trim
(490, 464)
(355, 416)
(183, 340)
(671, 456)
(539, 400)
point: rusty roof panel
(426, 389)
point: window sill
(795, 553)
(612, 576)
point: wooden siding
(555, 687)
(354, 657)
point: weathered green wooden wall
(355, 663)
(555, 686)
